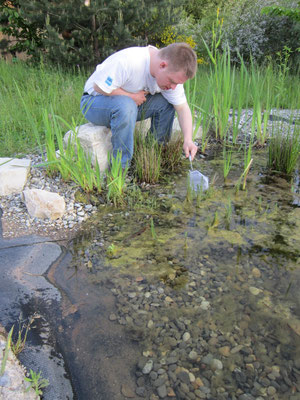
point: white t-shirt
(129, 69)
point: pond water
(190, 299)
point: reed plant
(222, 79)
(222, 82)
(200, 103)
(284, 149)
(241, 100)
(147, 158)
(261, 96)
(227, 159)
(116, 180)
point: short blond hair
(181, 57)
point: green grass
(25, 93)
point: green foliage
(25, 94)
(293, 13)
(37, 383)
(202, 9)
(116, 180)
(147, 158)
(284, 150)
(6, 351)
(77, 33)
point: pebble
(162, 391)
(216, 364)
(186, 336)
(255, 291)
(148, 367)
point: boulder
(44, 204)
(13, 175)
(95, 141)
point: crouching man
(138, 83)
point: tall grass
(37, 88)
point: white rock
(44, 204)
(13, 175)
(95, 141)
(204, 305)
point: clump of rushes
(116, 177)
(171, 155)
(147, 158)
(284, 149)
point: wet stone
(171, 360)
(153, 375)
(184, 377)
(162, 391)
(148, 367)
(141, 391)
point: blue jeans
(120, 113)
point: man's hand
(139, 97)
(190, 148)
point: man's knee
(126, 108)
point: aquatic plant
(228, 213)
(214, 223)
(227, 160)
(111, 250)
(152, 229)
(6, 351)
(186, 241)
(116, 180)
(171, 155)
(146, 158)
(37, 383)
(261, 92)
(241, 100)
(284, 148)
(19, 345)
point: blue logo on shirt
(108, 81)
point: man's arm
(139, 97)
(186, 125)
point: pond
(188, 299)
